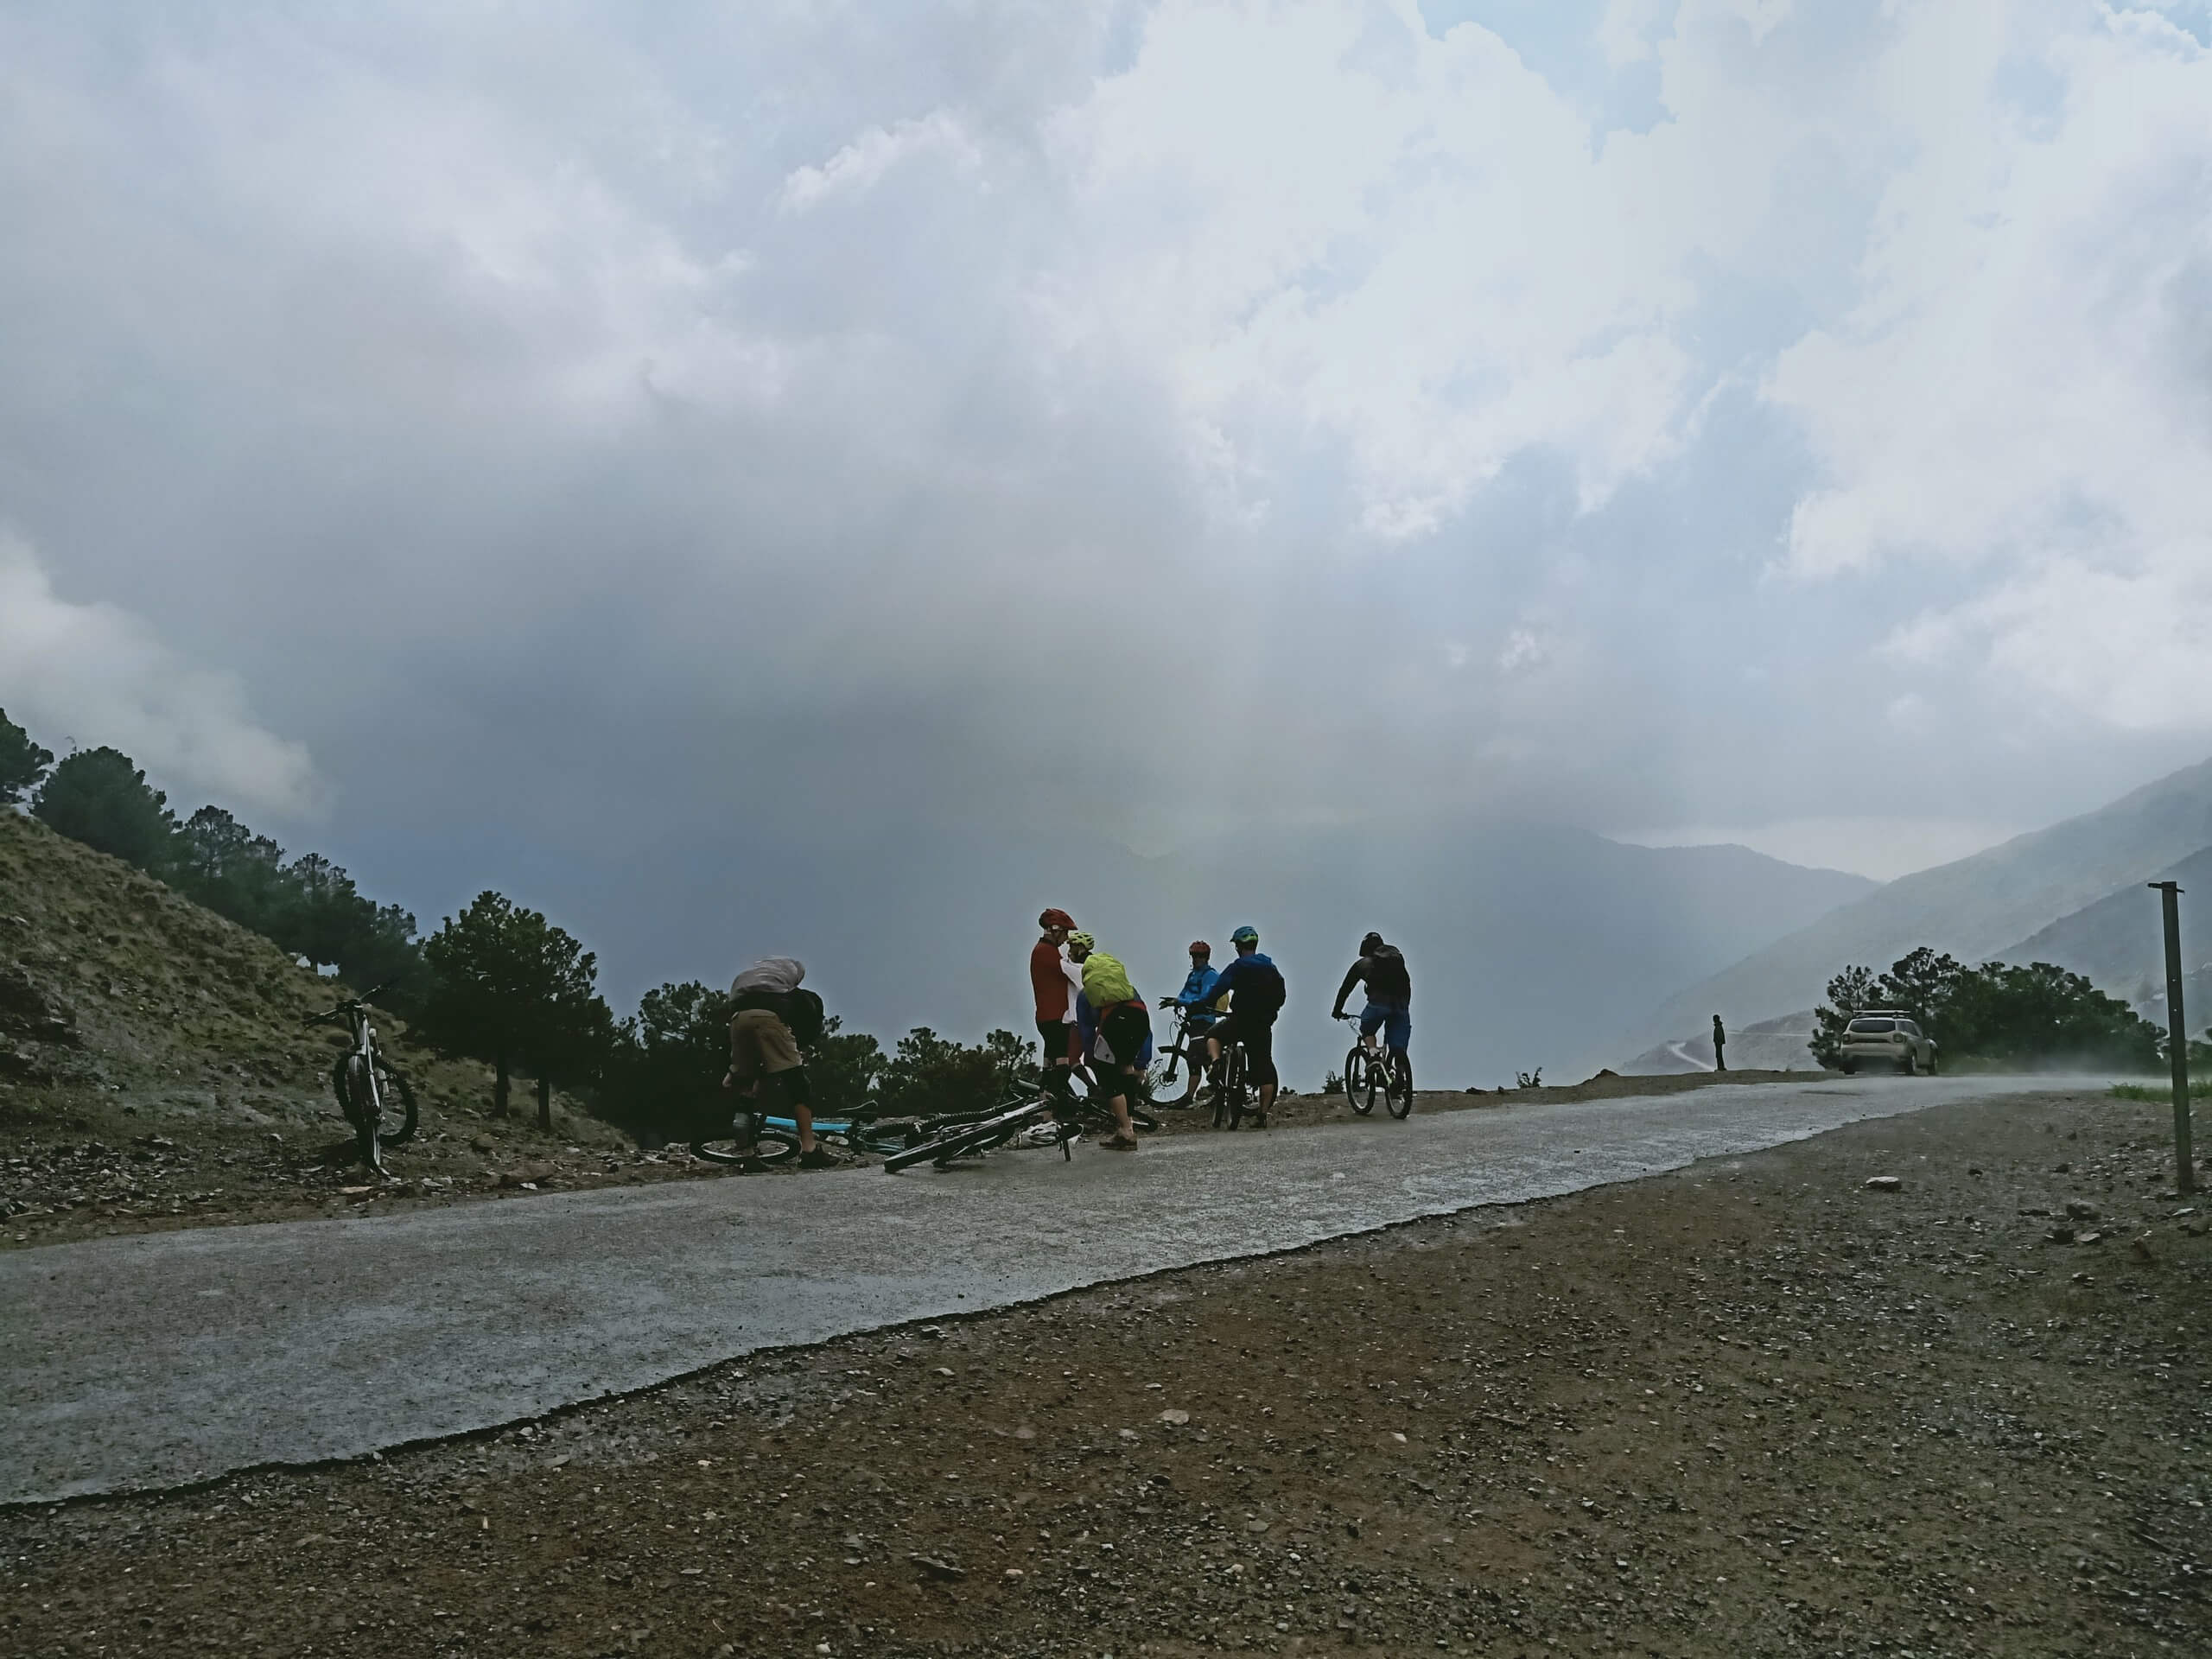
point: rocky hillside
(154, 1068)
(108, 978)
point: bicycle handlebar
(348, 1005)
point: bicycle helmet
(1200, 948)
(1245, 935)
(1080, 942)
(1367, 943)
(1056, 918)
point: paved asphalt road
(156, 1360)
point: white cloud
(100, 676)
(1319, 224)
(2023, 392)
(861, 164)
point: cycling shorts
(1393, 1019)
(1123, 1032)
(1056, 1041)
(1258, 1036)
(760, 1045)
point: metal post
(2178, 1036)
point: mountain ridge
(1975, 907)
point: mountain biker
(1196, 998)
(770, 1020)
(1124, 1031)
(1390, 995)
(1255, 988)
(1052, 986)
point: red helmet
(1056, 918)
(1200, 948)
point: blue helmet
(1245, 935)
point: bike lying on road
(774, 1139)
(1372, 1074)
(1035, 1117)
(374, 1094)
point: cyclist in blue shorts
(1390, 995)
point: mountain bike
(774, 1138)
(1035, 1116)
(373, 1094)
(1233, 1089)
(1370, 1075)
(1188, 1050)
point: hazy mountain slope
(1529, 944)
(1973, 908)
(2119, 941)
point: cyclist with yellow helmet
(1124, 1031)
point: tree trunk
(499, 1086)
(545, 1102)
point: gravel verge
(1755, 1407)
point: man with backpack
(1390, 995)
(1256, 992)
(771, 1019)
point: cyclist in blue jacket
(1196, 998)
(1256, 994)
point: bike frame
(1189, 1045)
(365, 1043)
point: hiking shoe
(820, 1158)
(1120, 1143)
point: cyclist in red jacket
(1052, 983)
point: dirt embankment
(1754, 1407)
(155, 1073)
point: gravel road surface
(153, 1361)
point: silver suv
(1885, 1037)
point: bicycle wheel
(1176, 1090)
(350, 1077)
(1234, 1088)
(386, 1116)
(1359, 1080)
(965, 1139)
(769, 1146)
(1398, 1089)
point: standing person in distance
(1050, 988)
(1720, 1045)
(1124, 1033)
(1256, 993)
(1389, 996)
(770, 1020)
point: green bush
(2040, 1015)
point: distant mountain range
(2072, 893)
(1530, 943)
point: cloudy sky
(543, 446)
